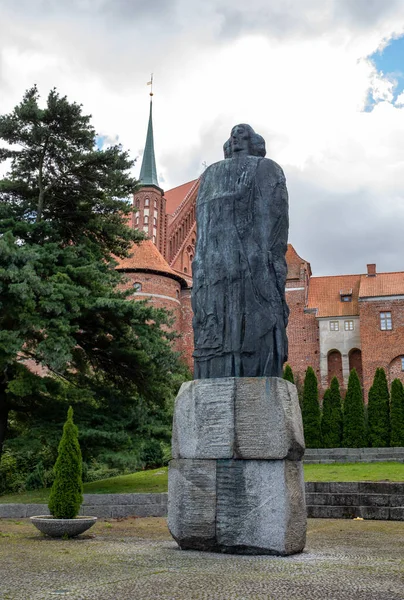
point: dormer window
(345, 295)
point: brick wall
(303, 337)
(162, 291)
(381, 348)
(187, 334)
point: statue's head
(244, 141)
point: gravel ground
(136, 558)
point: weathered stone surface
(192, 503)
(268, 422)
(237, 506)
(260, 507)
(249, 418)
(203, 424)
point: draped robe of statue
(239, 270)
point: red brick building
(336, 322)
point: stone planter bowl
(62, 527)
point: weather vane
(151, 84)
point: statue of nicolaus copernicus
(239, 269)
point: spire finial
(148, 171)
(151, 84)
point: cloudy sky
(321, 80)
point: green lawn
(156, 480)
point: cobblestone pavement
(136, 558)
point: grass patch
(156, 480)
(383, 471)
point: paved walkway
(136, 559)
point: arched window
(154, 239)
(185, 270)
(147, 202)
(355, 362)
(156, 204)
(155, 221)
(137, 286)
(146, 220)
(177, 294)
(137, 220)
(137, 203)
(334, 361)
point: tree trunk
(4, 410)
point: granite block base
(237, 506)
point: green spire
(148, 172)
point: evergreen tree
(397, 414)
(63, 208)
(67, 490)
(311, 410)
(354, 431)
(379, 411)
(331, 418)
(288, 374)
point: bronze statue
(239, 269)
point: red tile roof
(175, 196)
(324, 294)
(146, 257)
(382, 284)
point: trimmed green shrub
(288, 374)
(397, 413)
(311, 410)
(354, 430)
(67, 490)
(379, 411)
(331, 418)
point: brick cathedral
(336, 322)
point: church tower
(149, 201)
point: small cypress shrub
(354, 430)
(67, 489)
(397, 413)
(331, 418)
(311, 410)
(379, 411)
(288, 374)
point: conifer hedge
(397, 413)
(67, 490)
(354, 431)
(311, 410)
(331, 418)
(379, 411)
(288, 374)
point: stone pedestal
(236, 478)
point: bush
(311, 410)
(288, 374)
(67, 490)
(354, 431)
(397, 414)
(379, 411)
(331, 418)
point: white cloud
(296, 71)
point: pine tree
(379, 411)
(311, 411)
(63, 207)
(288, 374)
(397, 413)
(331, 419)
(354, 432)
(67, 490)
